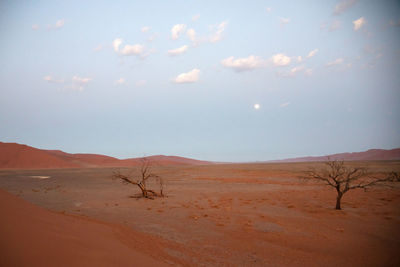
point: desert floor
(219, 215)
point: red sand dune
(167, 160)
(372, 154)
(22, 156)
(33, 236)
(15, 156)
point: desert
(200, 133)
(254, 214)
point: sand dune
(213, 215)
(22, 156)
(33, 236)
(372, 154)
(17, 156)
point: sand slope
(372, 154)
(17, 156)
(22, 156)
(213, 215)
(33, 236)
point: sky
(213, 80)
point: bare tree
(141, 180)
(344, 178)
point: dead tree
(141, 180)
(344, 178)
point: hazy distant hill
(372, 154)
(17, 156)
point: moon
(257, 106)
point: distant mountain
(372, 154)
(17, 156)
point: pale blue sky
(325, 74)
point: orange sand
(214, 215)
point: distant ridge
(369, 155)
(17, 156)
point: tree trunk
(338, 200)
(143, 189)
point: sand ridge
(33, 236)
(17, 156)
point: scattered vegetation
(344, 178)
(142, 179)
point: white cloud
(243, 64)
(116, 43)
(141, 83)
(51, 79)
(284, 21)
(295, 70)
(59, 24)
(292, 72)
(284, 104)
(219, 29)
(312, 53)
(299, 59)
(188, 77)
(308, 72)
(358, 23)
(178, 51)
(177, 30)
(79, 82)
(280, 60)
(152, 37)
(120, 81)
(268, 9)
(337, 61)
(191, 33)
(195, 17)
(343, 5)
(145, 29)
(129, 50)
(76, 83)
(35, 27)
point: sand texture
(213, 215)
